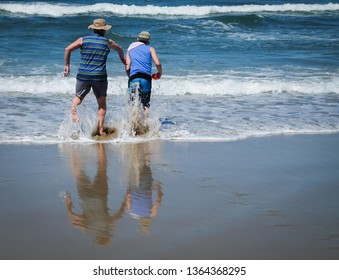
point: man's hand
(66, 71)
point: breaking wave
(57, 10)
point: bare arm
(113, 45)
(67, 56)
(76, 220)
(156, 205)
(156, 61)
(128, 64)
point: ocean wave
(34, 109)
(57, 10)
(237, 83)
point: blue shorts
(83, 87)
(144, 89)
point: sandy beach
(270, 198)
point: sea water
(231, 69)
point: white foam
(230, 83)
(222, 107)
(57, 10)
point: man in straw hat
(94, 49)
(139, 58)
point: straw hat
(144, 35)
(100, 24)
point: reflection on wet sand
(139, 198)
(95, 218)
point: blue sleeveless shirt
(94, 52)
(141, 60)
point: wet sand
(271, 198)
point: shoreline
(260, 198)
(141, 139)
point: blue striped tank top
(94, 52)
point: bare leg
(145, 113)
(75, 103)
(101, 114)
